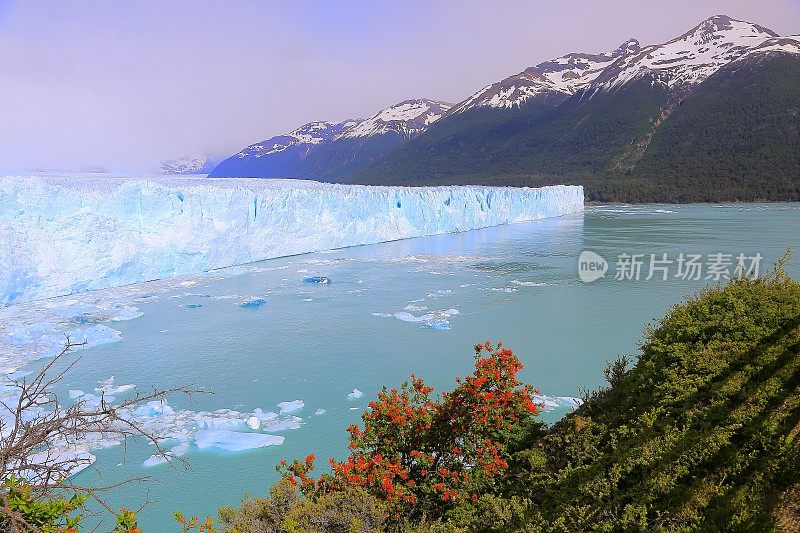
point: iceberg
(288, 407)
(316, 279)
(254, 422)
(233, 441)
(63, 235)
(258, 302)
(548, 403)
(282, 424)
(74, 459)
(355, 395)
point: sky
(125, 84)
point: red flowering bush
(417, 452)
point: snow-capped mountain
(318, 150)
(408, 118)
(565, 74)
(692, 57)
(281, 156)
(193, 164)
(306, 137)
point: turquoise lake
(407, 306)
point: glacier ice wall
(64, 235)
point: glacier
(63, 235)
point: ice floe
(288, 407)
(356, 394)
(257, 302)
(234, 441)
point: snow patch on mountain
(407, 119)
(786, 45)
(690, 58)
(565, 74)
(305, 137)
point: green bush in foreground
(700, 435)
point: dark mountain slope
(543, 144)
(735, 137)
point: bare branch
(43, 443)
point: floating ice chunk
(219, 422)
(319, 412)
(22, 334)
(107, 387)
(76, 393)
(262, 416)
(258, 302)
(127, 313)
(356, 394)
(574, 402)
(77, 310)
(288, 407)
(440, 292)
(94, 401)
(121, 389)
(154, 408)
(282, 424)
(155, 460)
(92, 336)
(180, 449)
(190, 283)
(549, 403)
(414, 307)
(407, 317)
(160, 459)
(523, 283)
(316, 279)
(253, 422)
(432, 320)
(234, 441)
(74, 459)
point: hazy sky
(125, 84)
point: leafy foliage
(27, 511)
(700, 435)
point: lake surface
(391, 309)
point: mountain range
(193, 164)
(711, 115)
